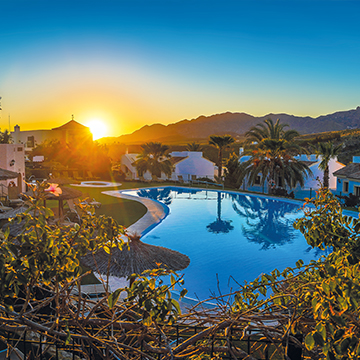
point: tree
(232, 171)
(221, 142)
(40, 279)
(155, 159)
(194, 147)
(273, 156)
(327, 151)
(269, 130)
(5, 137)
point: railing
(34, 346)
(206, 183)
(4, 190)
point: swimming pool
(229, 237)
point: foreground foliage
(317, 302)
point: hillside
(236, 124)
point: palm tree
(155, 159)
(194, 146)
(269, 130)
(273, 156)
(221, 142)
(327, 151)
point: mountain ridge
(237, 124)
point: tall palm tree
(273, 156)
(155, 159)
(327, 151)
(194, 146)
(269, 130)
(221, 142)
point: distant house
(187, 165)
(348, 178)
(12, 157)
(311, 183)
(191, 164)
(72, 131)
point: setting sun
(98, 128)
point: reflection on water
(160, 194)
(225, 235)
(219, 225)
(266, 223)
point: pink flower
(54, 189)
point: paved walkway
(154, 215)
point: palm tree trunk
(326, 177)
(220, 163)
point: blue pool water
(229, 237)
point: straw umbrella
(7, 174)
(135, 259)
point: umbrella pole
(61, 211)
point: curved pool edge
(155, 214)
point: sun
(98, 128)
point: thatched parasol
(135, 259)
(62, 181)
(7, 174)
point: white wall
(9, 152)
(193, 164)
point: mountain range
(236, 124)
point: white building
(188, 165)
(313, 161)
(72, 131)
(192, 164)
(12, 157)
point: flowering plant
(54, 189)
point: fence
(32, 346)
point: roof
(175, 159)
(350, 171)
(72, 125)
(7, 174)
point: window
(30, 141)
(357, 190)
(258, 180)
(19, 149)
(280, 181)
(345, 186)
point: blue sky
(136, 62)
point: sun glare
(98, 128)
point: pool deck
(154, 215)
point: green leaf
(113, 298)
(309, 341)
(318, 338)
(344, 345)
(339, 334)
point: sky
(130, 63)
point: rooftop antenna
(0, 108)
(9, 123)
